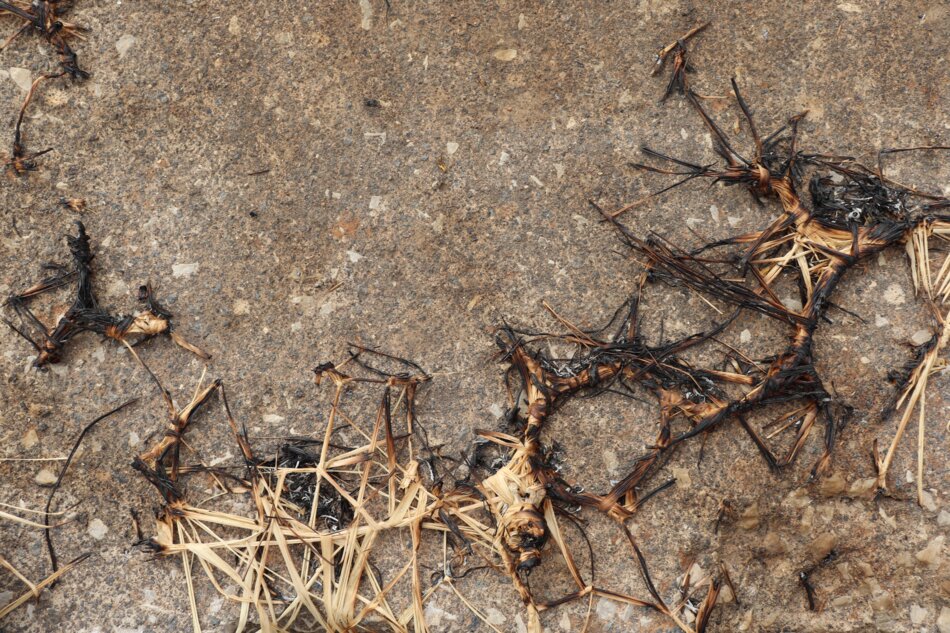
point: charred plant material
(305, 550)
(321, 507)
(304, 553)
(807, 581)
(85, 314)
(62, 473)
(852, 213)
(43, 17)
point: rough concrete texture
(459, 203)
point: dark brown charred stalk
(43, 17)
(161, 463)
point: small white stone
(565, 622)
(353, 256)
(451, 147)
(714, 212)
(272, 418)
(366, 22)
(234, 25)
(571, 123)
(880, 321)
(503, 158)
(496, 410)
(45, 477)
(927, 501)
(933, 553)
(683, 480)
(921, 336)
(134, 439)
(536, 181)
(375, 202)
(184, 270)
(792, 304)
(124, 44)
(918, 614)
(894, 295)
(943, 620)
(559, 170)
(505, 54)
(606, 609)
(22, 78)
(865, 360)
(494, 616)
(521, 24)
(30, 439)
(241, 307)
(97, 529)
(850, 7)
(745, 336)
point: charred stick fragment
(54, 562)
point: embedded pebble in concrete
(125, 43)
(97, 529)
(22, 77)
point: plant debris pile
(300, 551)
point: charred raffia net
(85, 314)
(855, 213)
(325, 572)
(43, 17)
(304, 551)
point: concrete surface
(458, 203)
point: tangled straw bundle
(304, 553)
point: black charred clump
(333, 510)
(84, 313)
